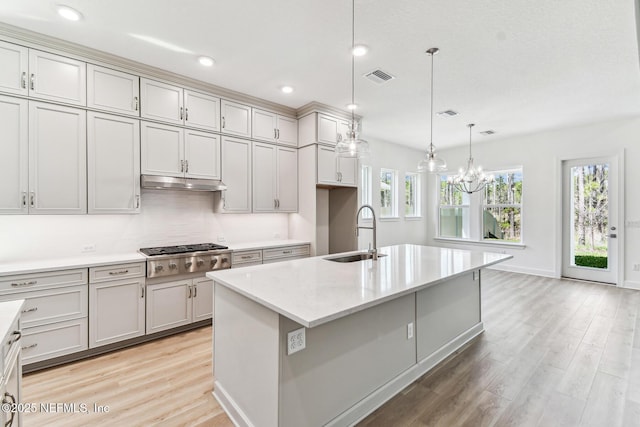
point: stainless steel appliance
(170, 261)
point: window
(388, 194)
(365, 195)
(493, 214)
(502, 207)
(411, 195)
(454, 211)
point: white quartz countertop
(313, 291)
(266, 244)
(80, 261)
(9, 310)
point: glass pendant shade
(431, 163)
(471, 179)
(353, 146)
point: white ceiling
(515, 66)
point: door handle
(33, 82)
(23, 81)
(186, 114)
(135, 101)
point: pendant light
(431, 162)
(472, 178)
(352, 146)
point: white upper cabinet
(287, 183)
(14, 161)
(343, 130)
(272, 127)
(161, 101)
(57, 159)
(321, 128)
(236, 174)
(275, 178)
(15, 68)
(57, 78)
(113, 154)
(201, 111)
(173, 104)
(336, 171)
(162, 150)
(265, 125)
(327, 129)
(112, 90)
(287, 131)
(264, 177)
(236, 118)
(202, 155)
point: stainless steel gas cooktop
(184, 259)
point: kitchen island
(316, 342)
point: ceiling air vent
(379, 76)
(447, 113)
(488, 132)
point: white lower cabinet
(117, 311)
(267, 255)
(53, 340)
(178, 303)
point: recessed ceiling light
(206, 61)
(359, 50)
(447, 113)
(69, 13)
(286, 89)
(352, 106)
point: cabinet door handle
(21, 284)
(137, 201)
(339, 137)
(24, 199)
(30, 310)
(186, 166)
(189, 292)
(223, 122)
(33, 82)
(181, 165)
(141, 291)
(245, 256)
(278, 137)
(286, 252)
(32, 199)
(275, 203)
(275, 134)
(135, 103)
(27, 347)
(195, 291)
(181, 112)
(23, 80)
(186, 114)
(17, 335)
(116, 273)
(278, 203)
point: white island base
(351, 364)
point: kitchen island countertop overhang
(316, 290)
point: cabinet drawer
(246, 264)
(56, 339)
(116, 272)
(52, 305)
(51, 279)
(246, 256)
(286, 252)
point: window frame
(417, 199)
(464, 204)
(484, 207)
(476, 208)
(394, 194)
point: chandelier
(352, 145)
(431, 162)
(472, 178)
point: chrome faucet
(373, 251)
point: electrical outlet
(296, 341)
(410, 331)
(636, 267)
(221, 239)
(89, 247)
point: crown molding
(318, 107)
(83, 53)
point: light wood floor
(554, 353)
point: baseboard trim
(231, 408)
(631, 284)
(524, 270)
(376, 399)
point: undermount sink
(355, 257)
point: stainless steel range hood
(173, 183)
